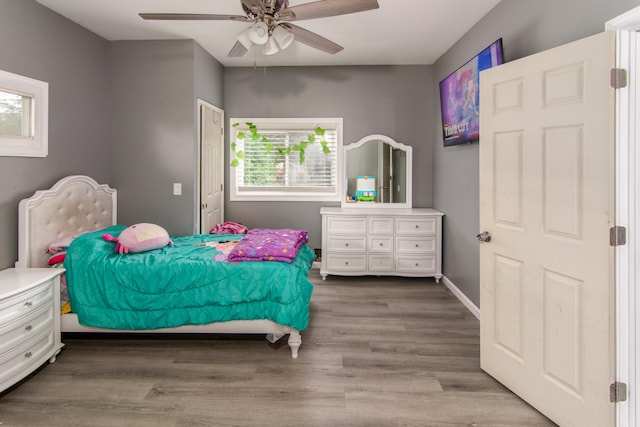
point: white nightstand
(29, 321)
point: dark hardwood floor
(378, 352)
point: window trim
(35, 145)
(291, 196)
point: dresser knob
(417, 264)
(28, 328)
(346, 244)
(417, 226)
(28, 304)
(346, 263)
(381, 244)
(27, 354)
(417, 245)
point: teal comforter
(182, 284)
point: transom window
(23, 116)
(15, 115)
(285, 159)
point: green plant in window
(252, 135)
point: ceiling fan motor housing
(266, 10)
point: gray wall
(154, 87)
(208, 86)
(123, 113)
(526, 27)
(391, 100)
(38, 43)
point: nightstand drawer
(380, 244)
(347, 243)
(412, 264)
(416, 226)
(415, 245)
(347, 263)
(25, 302)
(27, 357)
(21, 329)
(353, 225)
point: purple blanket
(263, 244)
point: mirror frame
(409, 172)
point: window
(272, 166)
(24, 104)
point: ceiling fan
(271, 23)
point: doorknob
(485, 237)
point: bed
(79, 205)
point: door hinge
(617, 392)
(618, 78)
(617, 236)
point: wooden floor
(378, 352)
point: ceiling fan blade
(312, 39)
(325, 8)
(237, 50)
(192, 17)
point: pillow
(140, 238)
(61, 244)
(57, 258)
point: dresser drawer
(347, 263)
(26, 358)
(351, 225)
(381, 263)
(415, 245)
(416, 265)
(23, 328)
(380, 225)
(416, 225)
(380, 243)
(25, 302)
(346, 243)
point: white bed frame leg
(295, 340)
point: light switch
(177, 189)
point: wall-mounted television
(460, 97)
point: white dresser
(382, 242)
(29, 321)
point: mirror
(378, 173)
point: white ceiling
(400, 32)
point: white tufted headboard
(74, 204)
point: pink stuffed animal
(140, 238)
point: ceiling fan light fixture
(245, 39)
(282, 37)
(259, 33)
(271, 47)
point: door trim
(627, 215)
(199, 104)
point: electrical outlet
(177, 189)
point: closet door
(211, 167)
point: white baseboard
(474, 309)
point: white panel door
(546, 197)
(211, 168)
